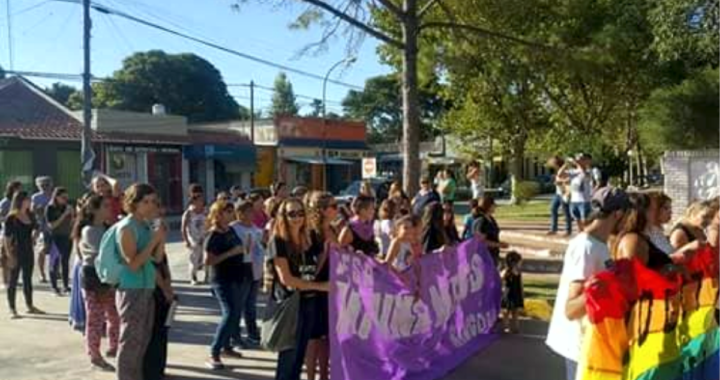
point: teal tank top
(144, 277)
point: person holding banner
(359, 234)
(434, 235)
(587, 255)
(323, 210)
(295, 265)
(486, 228)
(405, 246)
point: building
(303, 151)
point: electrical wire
(114, 12)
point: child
(384, 225)
(469, 219)
(193, 234)
(513, 299)
(252, 237)
(405, 246)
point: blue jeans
(290, 362)
(250, 313)
(580, 210)
(557, 203)
(570, 369)
(228, 295)
(244, 287)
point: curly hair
(135, 194)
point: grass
(529, 211)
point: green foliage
(523, 191)
(283, 99)
(316, 108)
(61, 92)
(684, 116)
(186, 84)
(379, 104)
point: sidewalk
(46, 348)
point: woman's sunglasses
(295, 214)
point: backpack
(109, 263)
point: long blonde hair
(216, 210)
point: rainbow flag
(643, 325)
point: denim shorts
(580, 210)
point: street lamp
(346, 61)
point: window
(17, 165)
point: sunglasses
(295, 214)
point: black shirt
(423, 200)
(302, 265)
(21, 235)
(230, 269)
(486, 225)
(52, 214)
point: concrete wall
(691, 176)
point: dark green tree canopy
(379, 104)
(284, 102)
(684, 116)
(186, 84)
(61, 92)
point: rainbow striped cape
(643, 325)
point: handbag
(279, 329)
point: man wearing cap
(39, 202)
(587, 254)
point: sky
(47, 37)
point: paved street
(45, 347)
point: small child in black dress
(513, 299)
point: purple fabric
(364, 229)
(385, 327)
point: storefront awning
(233, 153)
(318, 160)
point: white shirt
(383, 230)
(585, 257)
(580, 186)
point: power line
(114, 12)
(267, 88)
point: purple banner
(416, 325)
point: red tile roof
(26, 112)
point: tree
(185, 84)
(379, 104)
(684, 116)
(284, 102)
(316, 108)
(61, 92)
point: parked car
(380, 186)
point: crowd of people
(239, 245)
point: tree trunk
(411, 119)
(516, 167)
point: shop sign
(144, 149)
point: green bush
(523, 191)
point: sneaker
(14, 314)
(67, 290)
(214, 363)
(230, 353)
(58, 292)
(34, 310)
(102, 365)
(111, 354)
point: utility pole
(11, 53)
(252, 112)
(87, 154)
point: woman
(401, 200)
(11, 188)
(486, 228)
(59, 215)
(254, 240)
(295, 263)
(692, 226)
(477, 181)
(449, 224)
(135, 293)
(18, 238)
(560, 198)
(434, 235)
(260, 218)
(447, 186)
(99, 298)
(323, 210)
(384, 225)
(359, 233)
(109, 189)
(192, 228)
(223, 253)
(633, 242)
(659, 214)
